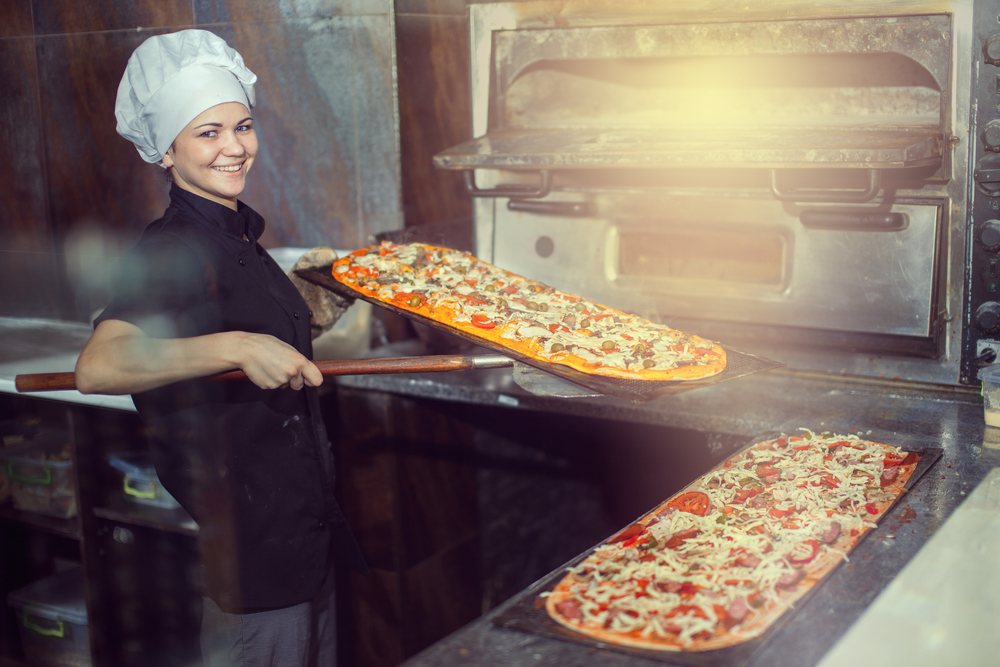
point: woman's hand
(273, 364)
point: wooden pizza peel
(534, 376)
(551, 379)
(528, 378)
(423, 364)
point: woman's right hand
(273, 364)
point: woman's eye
(208, 133)
(244, 128)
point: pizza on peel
(487, 303)
(722, 560)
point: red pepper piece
(804, 552)
(693, 502)
(482, 321)
(635, 530)
(891, 461)
(767, 471)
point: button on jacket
(252, 466)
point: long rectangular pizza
(721, 561)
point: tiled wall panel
(16, 18)
(28, 275)
(378, 158)
(22, 210)
(431, 7)
(68, 16)
(434, 114)
(95, 177)
(230, 11)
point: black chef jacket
(252, 466)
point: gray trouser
(299, 636)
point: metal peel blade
(545, 384)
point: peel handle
(386, 365)
(45, 381)
(427, 364)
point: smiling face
(212, 155)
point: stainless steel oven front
(797, 179)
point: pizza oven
(814, 182)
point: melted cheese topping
(770, 514)
(554, 325)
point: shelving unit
(140, 562)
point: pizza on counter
(485, 302)
(722, 560)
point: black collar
(244, 220)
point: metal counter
(32, 345)
(893, 412)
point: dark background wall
(354, 98)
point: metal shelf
(174, 521)
(57, 526)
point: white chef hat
(169, 80)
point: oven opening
(715, 255)
(739, 91)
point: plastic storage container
(14, 432)
(40, 475)
(990, 376)
(139, 481)
(52, 619)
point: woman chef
(250, 461)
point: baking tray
(738, 363)
(528, 613)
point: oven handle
(512, 191)
(565, 209)
(854, 221)
(833, 196)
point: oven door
(862, 276)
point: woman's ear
(168, 159)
